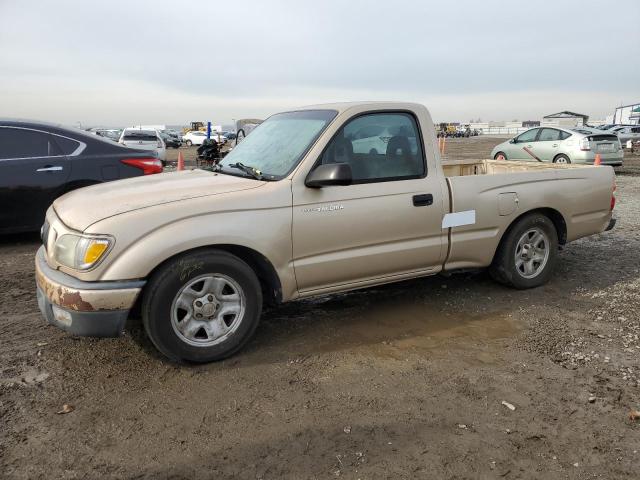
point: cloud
(124, 62)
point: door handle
(529, 146)
(422, 200)
(50, 168)
(554, 145)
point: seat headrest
(398, 146)
(342, 150)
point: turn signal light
(94, 251)
(147, 165)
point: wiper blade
(254, 172)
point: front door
(523, 144)
(388, 222)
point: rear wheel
(188, 143)
(500, 156)
(527, 254)
(561, 159)
(202, 307)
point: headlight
(81, 252)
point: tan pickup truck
(322, 199)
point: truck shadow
(432, 313)
(428, 313)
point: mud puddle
(384, 325)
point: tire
(516, 264)
(188, 143)
(562, 158)
(500, 154)
(193, 281)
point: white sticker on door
(458, 219)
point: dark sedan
(170, 140)
(39, 162)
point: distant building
(628, 114)
(565, 119)
(531, 123)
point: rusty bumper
(97, 309)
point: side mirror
(513, 140)
(329, 174)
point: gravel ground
(442, 377)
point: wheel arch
(561, 155)
(552, 214)
(264, 269)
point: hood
(80, 208)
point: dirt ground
(401, 381)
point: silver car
(626, 133)
(562, 145)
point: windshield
(276, 146)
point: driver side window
(378, 147)
(528, 136)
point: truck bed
(462, 168)
(485, 196)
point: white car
(374, 139)
(197, 138)
(144, 140)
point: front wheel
(500, 156)
(188, 143)
(527, 254)
(202, 306)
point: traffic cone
(180, 161)
(597, 161)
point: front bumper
(613, 159)
(94, 309)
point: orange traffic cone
(597, 161)
(180, 161)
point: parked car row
(562, 145)
(40, 162)
(624, 132)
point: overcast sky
(122, 62)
